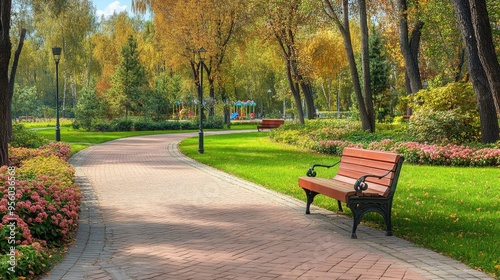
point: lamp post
(201, 53)
(56, 52)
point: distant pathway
(151, 213)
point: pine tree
(379, 72)
(129, 81)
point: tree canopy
(314, 54)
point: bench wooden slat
(357, 174)
(270, 123)
(354, 165)
(369, 154)
(368, 163)
(372, 186)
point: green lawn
(80, 140)
(452, 210)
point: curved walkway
(151, 213)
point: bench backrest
(359, 162)
(273, 121)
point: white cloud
(114, 7)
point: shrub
(101, 127)
(46, 207)
(458, 97)
(442, 127)
(61, 150)
(89, 109)
(31, 260)
(146, 125)
(315, 130)
(420, 153)
(22, 137)
(50, 170)
(122, 124)
(214, 122)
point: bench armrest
(361, 185)
(312, 173)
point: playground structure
(183, 110)
(243, 110)
(240, 110)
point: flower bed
(421, 153)
(47, 202)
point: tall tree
(410, 45)
(183, 27)
(379, 73)
(6, 80)
(284, 19)
(129, 80)
(365, 60)
(343, 25)
(489, 121)
(486, 48)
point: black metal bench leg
(340, 206)
(388, 221)
(310, 198)
(355, 222)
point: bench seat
(366, 181)
(270, 123)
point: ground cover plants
(332, 136)
(38, 192)
(449, 209)
(80, 139)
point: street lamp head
(56, 52)
(201, 53)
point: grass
(452, 210)
(79, 139)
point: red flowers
(422, 153)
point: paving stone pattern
(151, 213)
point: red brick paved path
(151, 213)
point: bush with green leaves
(89, 109)
(314, 130)
(122, 124)
(214, 122)
(442, 127)
(47, 202)
(22, 137)
(458, 97)
(445, 114)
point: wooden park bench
(366, 181)
(270, 123)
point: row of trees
(320, 53)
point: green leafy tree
(89, 108)
(166, 88)
(379, 73)
(24, 101)
(129, 81)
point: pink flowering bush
(422, 153)
(47, 169)
(47, 202)
(60, 149)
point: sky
(108, 7)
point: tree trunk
(409, 51)
(308, 96)
(17, 54)
(5, 98)
(486, 48)
(294, 87)
(487, 116)
(346, 36)
(365, 60)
